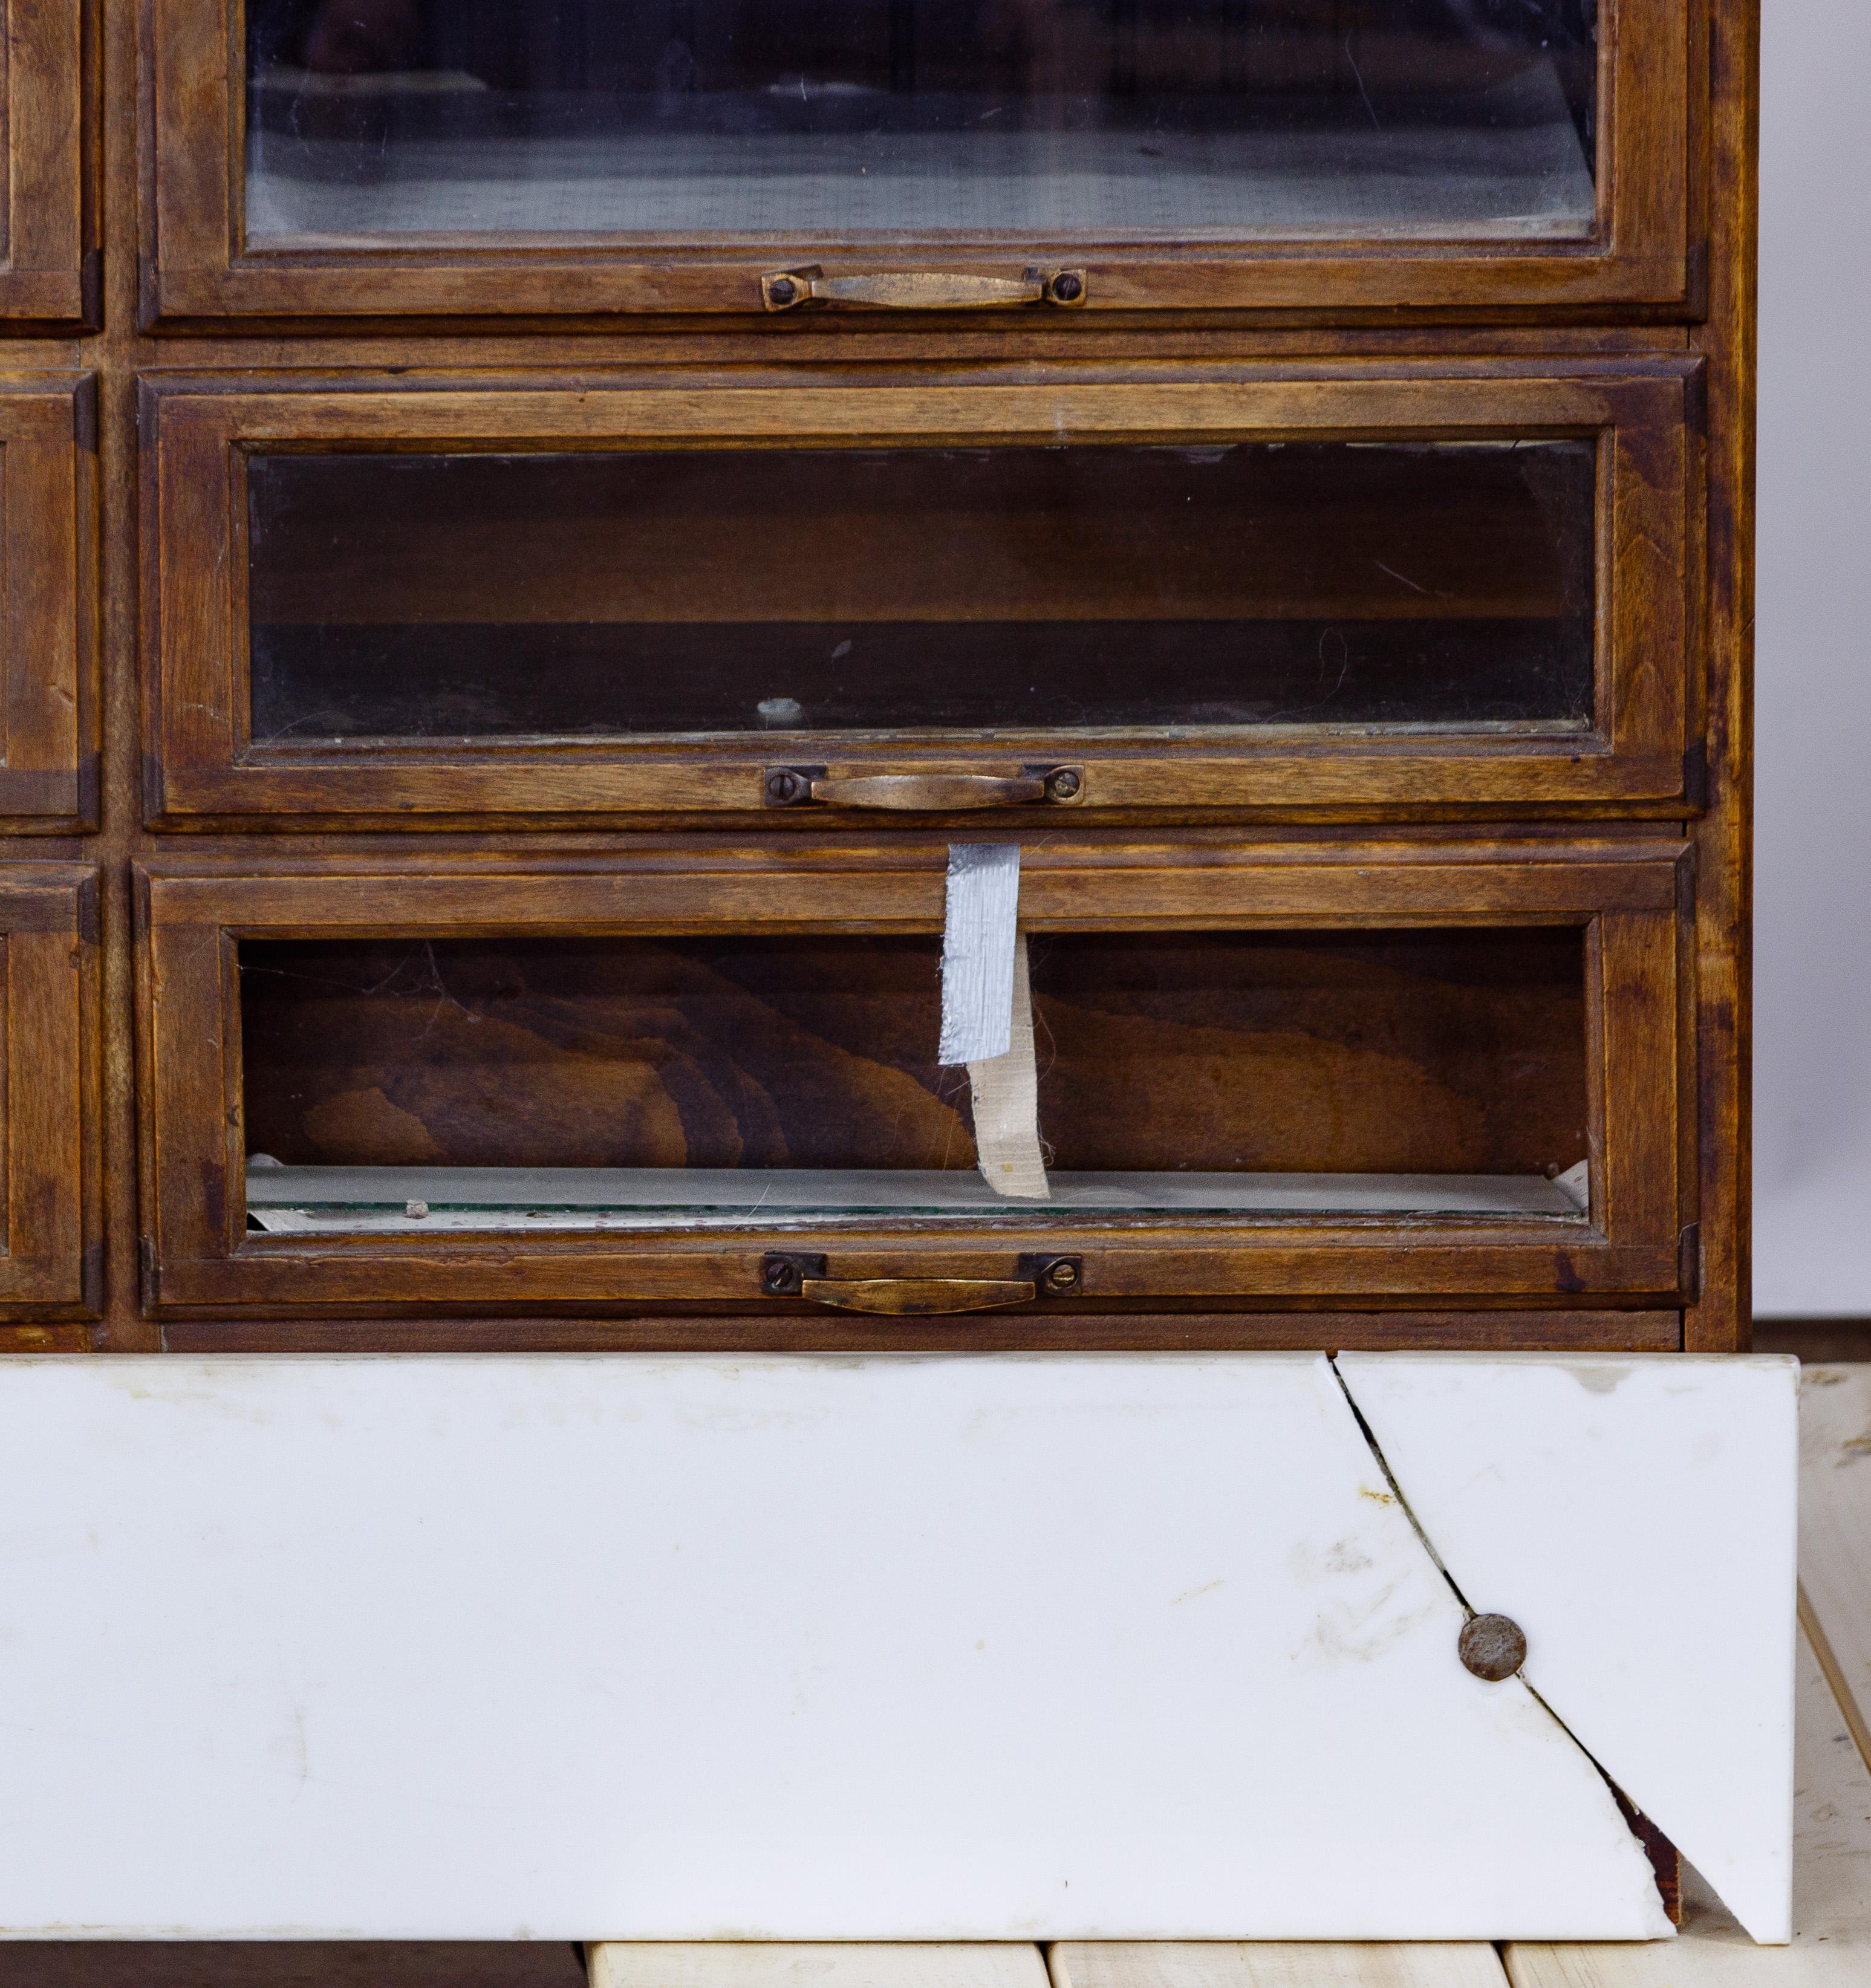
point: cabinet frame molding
(52, 1264)
(1638, 254)
(203, 770)
(199, 1259)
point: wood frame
(49, 241)
(202, 766)
(201, 1261)
(48, 744)
(50, 1266)
(1641, 254)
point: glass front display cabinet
(389, 156)
(641, 1085)
(1461, 589)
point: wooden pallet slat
(1273, 1964)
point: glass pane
(1034, 120)
(1037, 589)
(645, 1082)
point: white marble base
(1007, 1648)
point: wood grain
(1835, 1529)
(711, 551)
(1648, 331)
(48, 712)
(1831, 1889)
(1124, 1329)
(1357, 1052)
(1449, 1051)
(291, 1964)
(1272, 1964)
(49, 1019)
(1637, 253)
(803, 1964)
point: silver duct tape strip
(979, 934)
(1005, 1090)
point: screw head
(1063, 785)
(783, 788)
(1062, 1275)
(1068, 287)
(1492, 1647)
(780, 1278)
(782, 290)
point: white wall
(1813, 937)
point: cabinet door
(1433, 588)
(671, 1080)
(47, 1104)
(315, 158)
(48, 704)
(49, 247)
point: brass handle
(786, 786)
(792, 1274)
(923, 290)
(926, 790)
(917, 1297)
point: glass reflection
(1113, 120)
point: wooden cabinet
(1074, 161)
(49, 1266)
(1439, 585)
(1362, 1071)
(529, 531)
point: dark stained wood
(1343, 1009)
(1814, 1340)
(49, 714)
(1454, 1051)
(1638, 254)
(204, 763)
(1718, 1321)
(1556, 1329)
(48, 1021)
(291, 1964)
(1669, 308)
(48, 168)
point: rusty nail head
(1067, 286)
(783, 788)
(1493, 1647)
(1063, 785)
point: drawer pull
(917, 1297)
(786, 786)
(795, 1274)
(923, 290)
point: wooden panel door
(50, 270)
(48, 768)
(561, 158)
(50, 1267)
(1444, 587)
(683, 1081)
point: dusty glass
(735, 1080)
(1026, 121)
(1067, 589)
